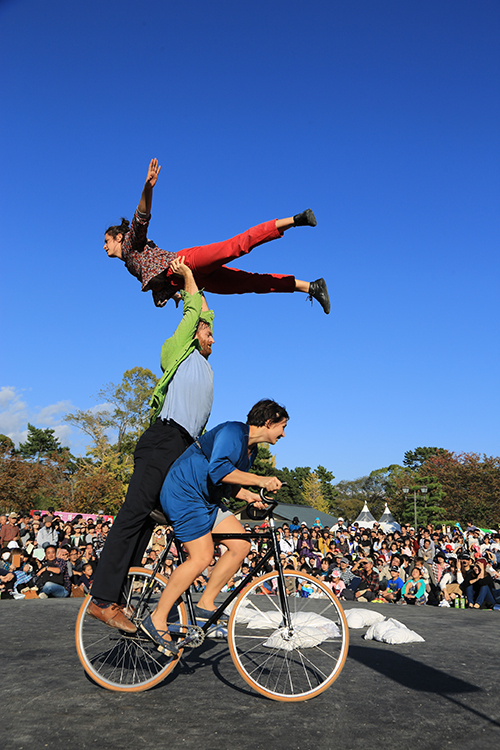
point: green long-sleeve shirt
(179, 346)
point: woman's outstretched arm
(146, 201)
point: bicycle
(286, 645)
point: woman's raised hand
(153, 172)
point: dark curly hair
(265, 410)
(116, 230)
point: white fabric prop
(392, 631)
(362, 618)
(310, 629)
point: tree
(40, 444)
(313, 494)
(30, 484)
(470, 484)
(125, 414)
(265, 463)
(414, 459)
(130, 399)
(353, 494)
(295, 478)
(6, 444)
(327, 489)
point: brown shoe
(112, 616)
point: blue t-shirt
(395, 584)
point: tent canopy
(365, 518)
(388, 522)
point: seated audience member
(288, 544)
(48, 534)
(350, 578)
(465, 573)
(437, 571)
(450, 588)
(7, 574)
(392, 592)
(413, 591)
(10, 531)
(78, 538)
(53, 579)
(90, 556)
(25, 573)
(87, 578)
(336, 584)
(482, 587)
(369, 585)
(426, 551)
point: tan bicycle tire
(330, 653)
(88, 655)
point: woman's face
(275, 431)
(113, 245)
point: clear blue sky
(381, 116)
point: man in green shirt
(182, 401)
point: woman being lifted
(151, 265)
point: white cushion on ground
(311, 629)
(392, 631)
(362, 618)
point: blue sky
(381, 116)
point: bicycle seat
(159, 517)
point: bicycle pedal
(218, 631)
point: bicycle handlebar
(259, 514)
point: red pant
(206, 263)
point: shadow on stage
(415, 675)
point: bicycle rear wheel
(288, 664)
(123, 662)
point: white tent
(365, 518)
(387, 521)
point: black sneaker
(305, 219)
(318, 290)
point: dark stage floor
(438, 694)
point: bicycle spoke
(285, 664)
(121, 661)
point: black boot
(305, 219)
(319, 291)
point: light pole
(406, 491)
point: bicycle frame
(273, 550)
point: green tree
(327, 489)
(125, 414)
(130, 401)
(265, 463)
(40, 444)
(295, 478)
(353, 494)
(414, 459)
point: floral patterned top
(147, 262)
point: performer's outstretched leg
(204, 259)
(228, 280)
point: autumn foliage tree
(470, 483)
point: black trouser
(156, 451)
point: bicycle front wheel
(288, 663)
(123, 662)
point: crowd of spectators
(41, 556)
